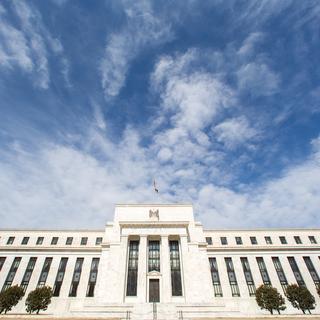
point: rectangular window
(215, 277)
(248, 276)
(92, 277)
(224, 240)
(59, 277)
(2, 260)
(27, 275)
(280, 273)
(238, 240)
(76, 277)
(268, 240)
(296, 271)
(10, 240)
(154, 256)
(44, 272)
(297, 239)
(312, 271)
(54, 240)
(176, 285)
(25, 240)
(283, 240)
(133, 268)
(232, 278)
(209, 240)
(12, 273)
(40, 240)
(263, 271)
(84, 241)
(253, 240)
(69, 241)
(98, 240)
(312, 239)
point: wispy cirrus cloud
(27, 43)
(143, 28)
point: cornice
(263, 249)
(49, 249)
(153, 205)
(152, 224)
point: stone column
(142, 270)
(165, 270)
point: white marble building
(158, 253)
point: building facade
(158, 253)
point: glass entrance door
(154, 293)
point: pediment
(154, 273)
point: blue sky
(216, 100)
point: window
(224, 240)
(76, 277)
(54, 240)
(98, 240)
(44, 272)
(215, 277)
(59, 277)
(263, 271)
(84, 241)
(25, 240)
(39, 241)
(10, 240)
(248, 276)
(92, 277)
(69, 241)
(253, 240)
(283, 240)
(268, 240)
(2, 260)
(176, 285)
(296, 271)
(232, 278)
(154, 256)
(280, 273)
(312, 239)
(238, 240)
(27, 275)
(12, 273)
(132, 268)
(209, 240)
(297, 239)
(312, 271)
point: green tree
(39, 299)
(10, 297)
(300, 298)
(270, 299)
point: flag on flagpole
(154, 186)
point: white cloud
(249, 44)
(144, 28)
(63, 186)
(258, 79)
(234, 132)
(14, 48)
(27, 45)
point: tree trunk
(38, 311)
(271, 311)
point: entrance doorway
(154, 292)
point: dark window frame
(133, 260)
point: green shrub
(300, 298)
(39, 299)
(270, 299)
(10, 297)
